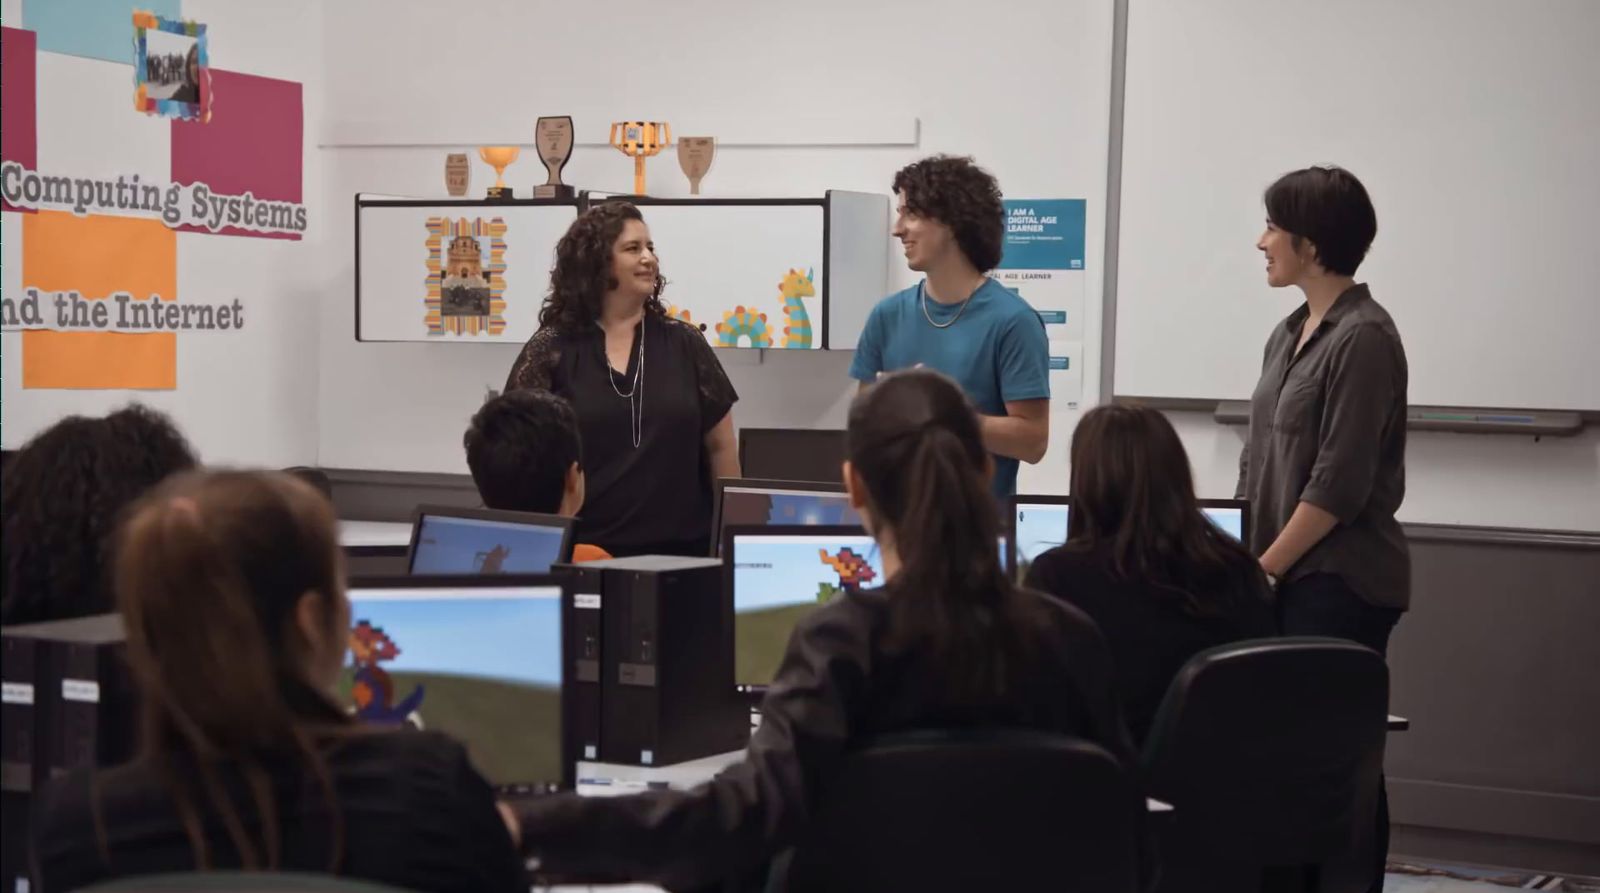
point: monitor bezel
(569, 749)
(721, 484)
(754, 693)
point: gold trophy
(640, 140)
(457, 173)
(694, 156)
(498, 157)
(553, 138)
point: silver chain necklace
(922, 294)
(635, 395)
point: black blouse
(838, 685)
(654, 498)
(1151, 637)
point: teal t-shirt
(996, 350)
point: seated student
(1162, 582)
(59, 503)
(525, 456)
(232, 590)
(949, 641)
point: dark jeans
(1324, 605)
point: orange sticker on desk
(97, 256)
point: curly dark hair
(956, 192)
(582, 273)
(60, 502)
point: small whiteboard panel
(746, 270)
(471, 272)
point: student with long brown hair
(1162, 582)
(948, 642)
(231, 588)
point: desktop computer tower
(581, 627)
(68, 703)
(666, 662)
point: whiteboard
(401, 290)
(1475, 125)
(747, 272)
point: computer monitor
(780, 573)
(750, 501)
(794, 454)
(449, 540)
(476, 657)
(1039, 523)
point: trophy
(640, 140)
(552, 137)
(498, 157)
(457, 173)
(694, 156)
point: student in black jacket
(231, 587)
(1162, 582)
(949, 641)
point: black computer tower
(68, 704)
(581, 626)
(18, 670)
(667, 662)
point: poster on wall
(106, 212)
(1043, 262)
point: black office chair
(1270, 753)
(972, 810)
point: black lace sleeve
(717, 395)
(535, 365)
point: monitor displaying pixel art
(781, 575)
(452, 544)
(1041, 524)
(479, 661)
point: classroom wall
(1485, 480)
(241, 397)
(1026, 92)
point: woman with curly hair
(653, 404)
(951, 224)
(60, 501)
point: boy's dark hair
(519, 447)
(1330, 207)
(962, 196)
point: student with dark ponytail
(231, 588)
(1160, 580)
(948, 642)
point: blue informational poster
(1043, 261)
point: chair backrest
(1270, 752)
(239, 882)
(973, 810)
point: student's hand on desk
(512, 825)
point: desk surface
(612, 780)
(358, 534)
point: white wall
(242, 397)
(1022, 86)
(1483, 480)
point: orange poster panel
(97, 256)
